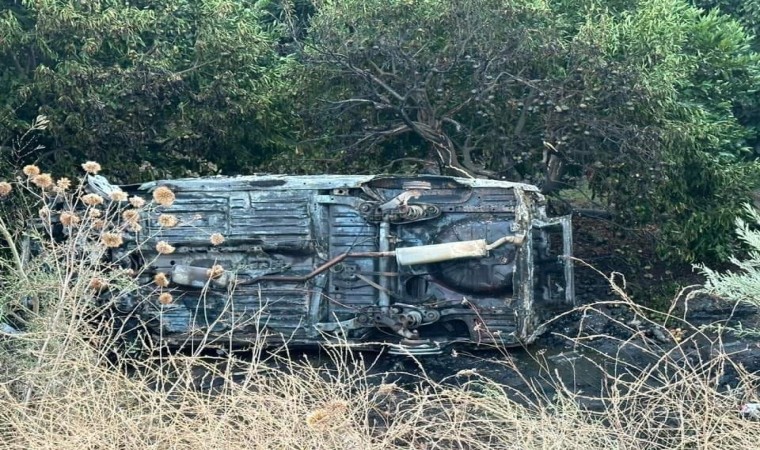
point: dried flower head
(91, 167)
(329, 416)
(98, 224)
(678, 334)
(165, 298)
(92, 199)
(118, 196)
(131, 215)
(44, 212)
(97, 284)
(164, 248)
(137, 202)
(31, 170)
(43, 181)
(94, 213)
(161, 279)
(217, 239)
(63, 184)
(168, 220)
(69, 219)
(215, 271)
(163, 196)
(5, 188)
(112, 240)
(134, 227)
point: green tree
(636, 97)
(150, 88)
(747, 13)
(695, 69)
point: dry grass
(61, 387)
(69, 396)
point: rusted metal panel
(357, 260)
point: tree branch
(377, 81)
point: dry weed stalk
(62, 388)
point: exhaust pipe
(427, 254)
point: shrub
(742, 285)
(152, 88)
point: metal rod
(384, 245)
(318, 270)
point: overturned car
(413, 263)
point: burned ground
(611, 334)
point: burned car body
(414, 263)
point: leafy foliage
(638, 98)
(696, 68)
(747, 13)
(427, 75)
(744, 284)
(153, 88)
(653, 102)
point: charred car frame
(413, 263)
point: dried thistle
(112, 240)
(94, 213)
(163, 196)
(165, 298)
(63, 184)
(92, 199)
(134, 227)
(330, 415)
(44, 212)
(42, 181)
(91, 167)
(98, 224)
(131, 215)
(97, 284)
(5, 188)
(118, 196)
(31, 170)
(161, 280)
(168, 220)
(137, 202)
(217, 239)
(164, 248)
(69, 219)
(215, 271)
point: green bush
(641, 98)
(742, 285)
(153, 89)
